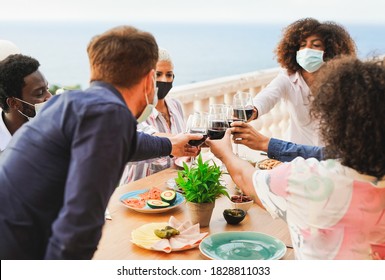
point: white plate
(172, 185)
(144, 237)
(179, 161)
(146, 209)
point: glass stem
(192, 159)
(236, 150)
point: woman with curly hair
(306, 44)
(335, 208)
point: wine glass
(242, 109)
(217, 125)
(232, 117)
(197, 124)
(217, 109)
(243, 105)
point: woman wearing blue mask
(165, 119)
(305, 45)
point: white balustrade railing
(197, 96)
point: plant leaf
(201, 183)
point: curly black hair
(336, 39)
(349, 102)
(13, 70)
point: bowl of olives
(234, 216)
(243, 202)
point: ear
(13, 104)
(150, 80)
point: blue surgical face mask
(148, 109)
(310, 60)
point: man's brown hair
(122, 56)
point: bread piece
(268, 164)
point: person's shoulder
(92, 103)
(282, 79)
(313, 165)
(93, 97)
(175, 103)
(285, 75)
(308, 161)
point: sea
(200, 51)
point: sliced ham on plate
(189, 237)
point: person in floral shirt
(334, 208)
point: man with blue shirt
(60, 168)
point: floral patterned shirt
(333, 212)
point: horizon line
(186, 21)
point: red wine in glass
(217, 129)
(230, 121)
(215, 134)
(197, 123)
(239, 113)
(200, 141)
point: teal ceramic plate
(146, 209)
(242, 245)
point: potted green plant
(202, 185)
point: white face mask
(148, 109)
(310, 60)
(37, 107)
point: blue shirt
(60, 169)
(287, 151)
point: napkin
(107, 215)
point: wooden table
(115, 243)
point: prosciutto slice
(189, 237)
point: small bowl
(241, 202)
(234, 216)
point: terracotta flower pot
(200, 212)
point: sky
(268, 11)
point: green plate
(242, 245)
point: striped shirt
(156, 123)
